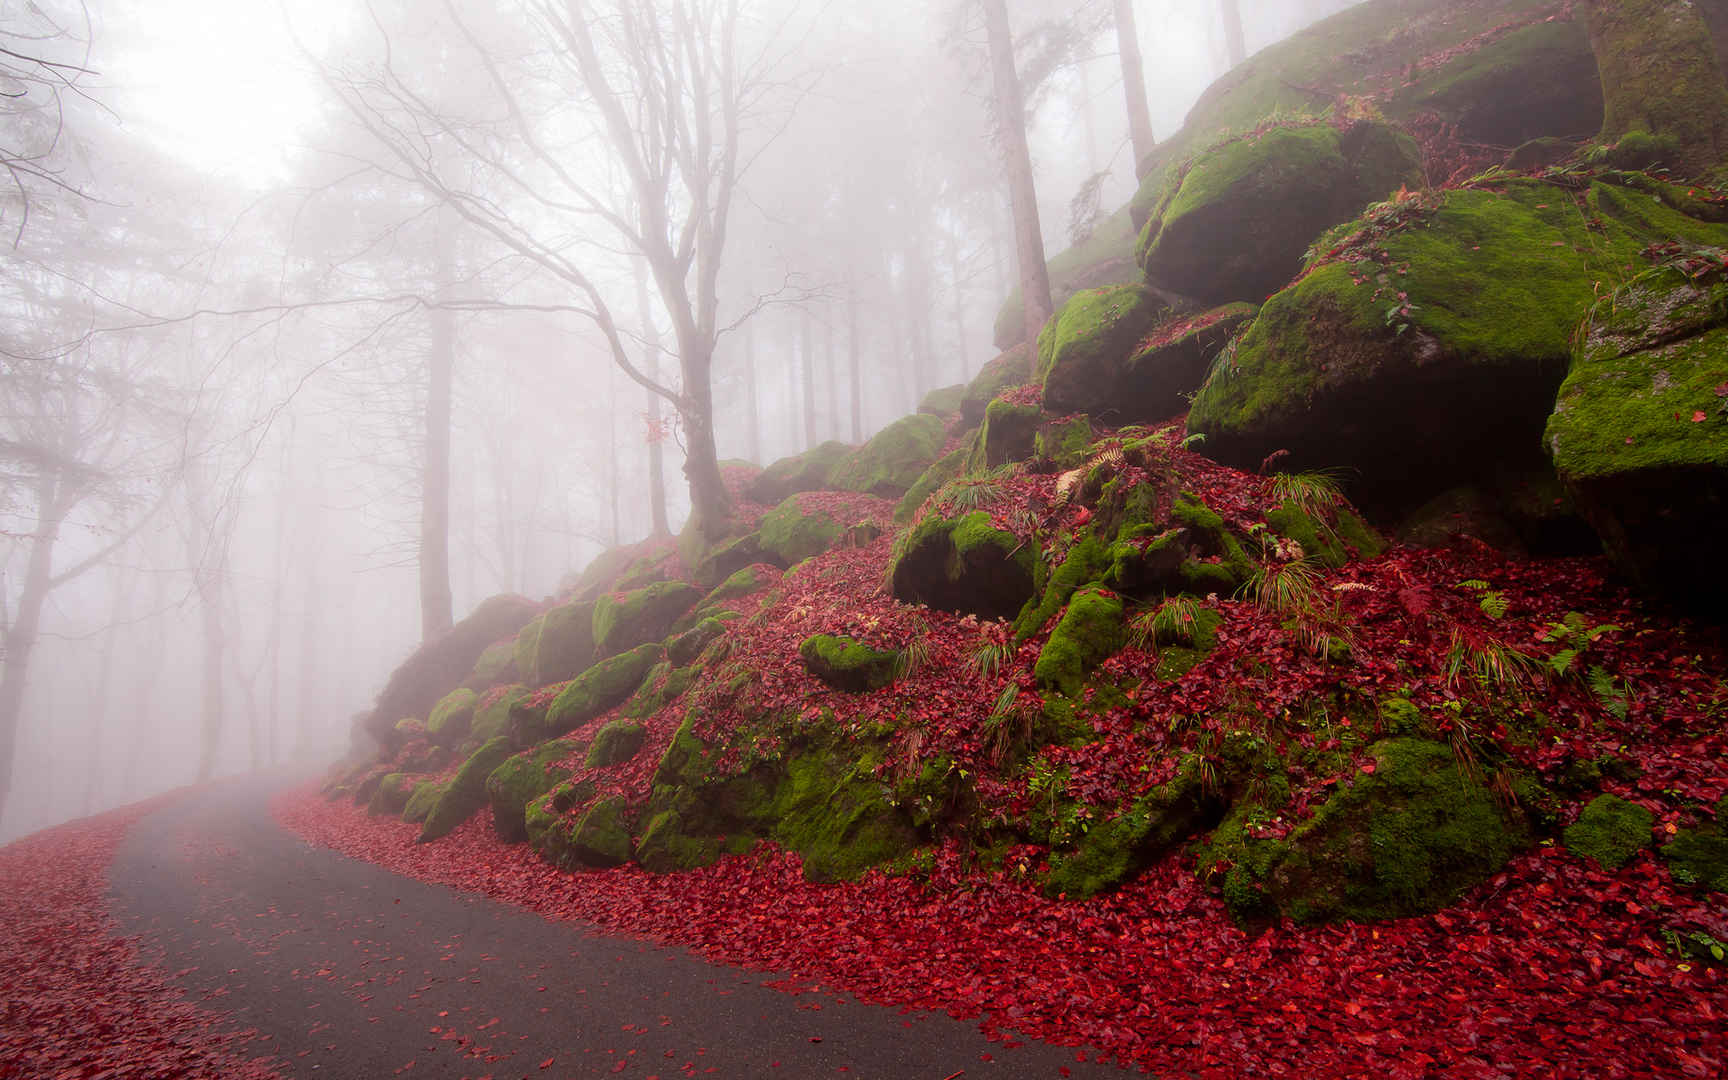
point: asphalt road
(346, 970)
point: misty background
(215, 350)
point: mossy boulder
(799, 528)
(452, 716)
(725, 597)
(624, 621)
(1007, 435)
(1331, 536)
(1639, 432)
(1116, 850)
(1063, 443)
(420, 803)
(1091, 631)
(1170, 362)
(492, 717)
(603, 686)
(1610, 831)
(729, 558)
(561, 645)
(663, 685)
(1699, 856)
(962, 564)
(1084, 348)
(1086, 562)
(1406, 839)
(1010, 369)
(1102, 259)
(848, 664)
(686, 647)
(615, 744)
(800, 472)
(496, 665)
(943, 401)
(466, 792)
(392, 795)
(1436, 361)
(945, 469)
(891, 462)
(1235, 223)
(521, 779)
(599, 838)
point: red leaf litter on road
(1552, 969)
(78, 1001)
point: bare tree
(1023, 196)
(34, 86)
(1235, 45)
(1134, 84)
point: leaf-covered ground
(78, 1001)
(1552, 968)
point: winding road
(347, 970)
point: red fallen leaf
(1698, 417)
(1368, 767)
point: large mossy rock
(797, 529)
(1639, 433)
(808, 471)
(496, 665)
(1090, 632)
(1610, 831)
(1409, 838)
(1083, 349)
(466, 792)
(521, 779)
(1168, 364)
(1699, 855)
(945, 469)
(597, 839)
(440, 666)
(1010, 369)
(1234, 224)
(943, 401)
(1009, 434)
(623, 621)
(1116, 850)
(891, 462)
(603, 686)
(1424, 345)
(847, 664)
(821, 799)
(964, 565)
(451, 718)
(557, 646)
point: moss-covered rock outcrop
(1424, 346)
(1610, 831)
(1010, 369)
(1082, 351)
(1235, 222)
(799, 528)
(891, 462)
(1699, 855)
(847, 664)
(615, 743)
(1168, 364)
(452, 716)
(1639, 432)
(466, 792)
(557, 646)
(598, 838)
(496, 665)
(943, 470)
(1090, 632)
(1116, 850)
(603, 686)
(962, 564)
(624, 621)
(1407, 838)
(1008, 434)
(492, 716)
(943, 401)
(521, 779)
(808, 471)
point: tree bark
(1134, 86)
(752, 397)
(1662, 86)
(1023, 195)
(656, 443)
(436, 616)
(26, 625)
(1235, 46)
(807, 369)
(855, 374)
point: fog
(237, 234)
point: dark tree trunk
(807, 367)
(435, 601)
(1134, 85)
(26, 625)
(1011, 123)
(753, 414)
(1235, 46)
(854, 362)
(656, 444)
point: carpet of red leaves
(78, 1001)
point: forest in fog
(316, 315)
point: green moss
(808, 471)
(606, 684)
(562, 646)
(1086, 562)
(527, 642)
(495, 665)
(1328, 542)
(683, 649)
(1699, 856)
(1104, 258)
(615, 744)
(792, 534)
(962, 564)
(545, 817)
(1092, 338)
(944, 470)
(663, 686)
(493, 719)
(623, 621)
(600, 838)
(452, 716)
(1091, 631)
(1117, 849)
(829, 808)
(523, 778)
(891, 462)
(1233, 567)
(1610, 831)
(1012, 368)
(392, 796)
(944, 401)
(466, 792)
(1007, 435)
(1066, 444)
(847, 664)
(425, 796)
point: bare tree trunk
(1011, 121)
(854, 361)
(207, 562)
(25, 625)
(656, 445)
(1234, 43)
(963, 363)
(751, 394)
(831, 375)
(613, 483)
(807, 367)
(1134, 85)
(117, 613)
(435, 601)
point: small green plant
(1175, 620)
(989, 658)
(1009, 724)
(915, 657)
(1489, 664)
(1198, 438)
(965, 496)
(1577, 639)
(1290, 588)
(1317, 494)
(1492, 602)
